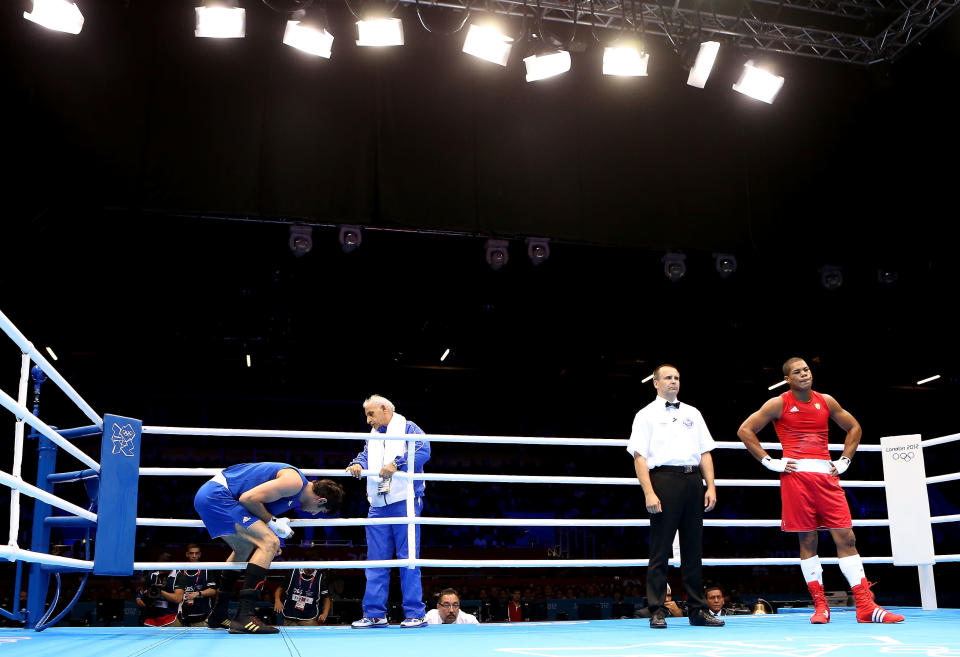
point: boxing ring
(927, 631)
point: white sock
(812, 570)
(852, 569)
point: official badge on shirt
(687, 422)
(817, 406)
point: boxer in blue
(241, 505)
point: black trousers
(681, 498)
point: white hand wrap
(777, 465)
(841, 464)
(281, 527)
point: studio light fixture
(380, 32)
(758, 83)
(544, 61)
(308, 32)
(831, 277)
(221, 19)
(625, 61)
(497, 253)
(726, 264)
(57, 15)
(350, 238)
(538, 249)
(301, 240)
(486, 42)
(674, 266)
(702, 67)
(887, 276)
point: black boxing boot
(246, 622)
(219, 618)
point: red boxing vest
(802, 427)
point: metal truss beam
(755, 25)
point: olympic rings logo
(905, 457)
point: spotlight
(538, 249)
(301, 240)
(706, 57)
(757, 83)
(831, 277)
(379, 32)
(887, 276)
(309, 34)
(350, 238)
(221, 19)
(543, 61)
(674, 266)
(726, 264)
(57, 15)
(497, 255)
(488, 43)
(625, 61)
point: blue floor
(936, 634)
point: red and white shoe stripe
(878, 614)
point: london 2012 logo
(903, 453)
(905, 457)
(123, 439)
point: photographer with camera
(193, 590)
(155, 596)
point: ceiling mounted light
(726, 264)
(625, 61)
(380, 32)
(538, 249)
(350, 238)
(831, 277)
(488, 43)
(674, 266)
(309, 33)
(57, 15)
(887, 276)
(497, 254)
(301, 240)
(702, 67)
(544, 61)
(758, 83)
(221, 19)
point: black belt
(685, 469)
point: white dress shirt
(669, 436)
(463, 618)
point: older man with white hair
(388, 499)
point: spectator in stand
(515, 608)
(448, 611)
(714, 595)
(675, 608)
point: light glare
(52, 355)
(758, 84)
(445, 354)
(778, 384)
(706, 57)
(380, 32)
(58, 15)
(540, 67)
(928, 379)
(308, 39)
(487, 43)
(647, 379)
(624, 61)
(249, 361)
(221, 22)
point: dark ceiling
(153, 173)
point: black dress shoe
(657, 620)
(704, 618)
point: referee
(670, 446)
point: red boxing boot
(867, 610)
(821, 612)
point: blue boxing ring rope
(116, 529)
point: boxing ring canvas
(936, 634)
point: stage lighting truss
(497, 253)
(674, 266)
(820, 29)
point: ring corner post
(117, 498)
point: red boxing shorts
(811, 501)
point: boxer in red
(810, 484)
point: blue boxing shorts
(220, 511)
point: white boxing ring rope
(15, 482)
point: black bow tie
(673, 404)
